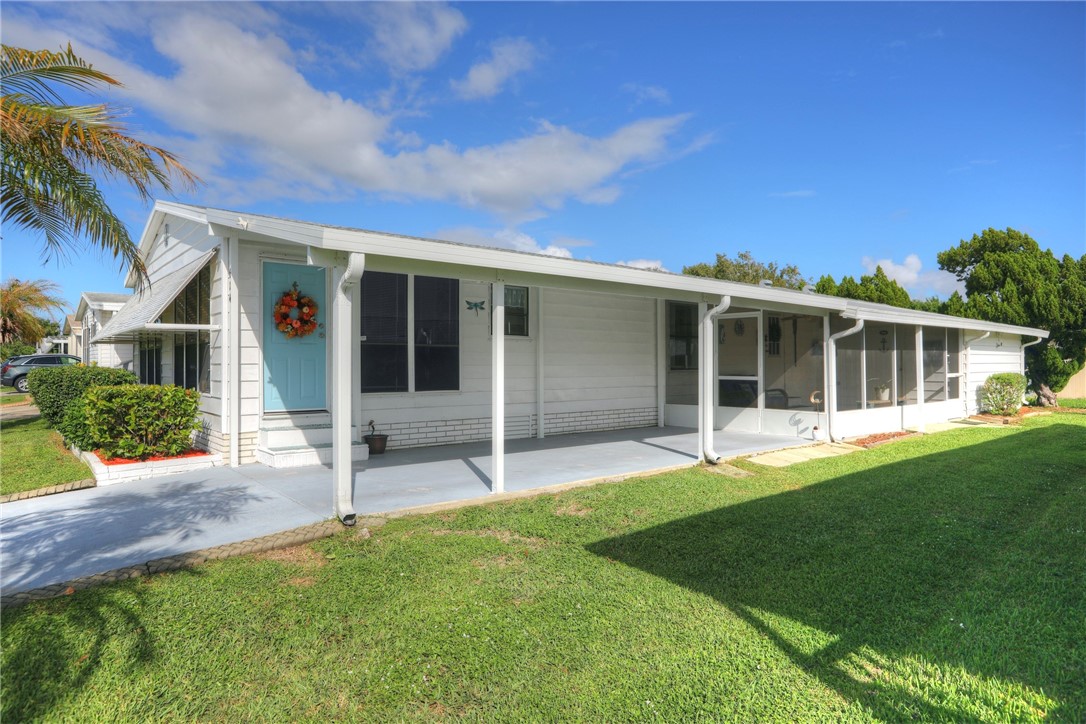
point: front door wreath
(295, 314)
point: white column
(497, 391)
(705, 409)
(232, 330)
(661, 360)
(345, 274)
(540, 371)
(920, 377)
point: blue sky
(828, 135)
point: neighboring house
(73, 334)
(407, 340)
(94, 312)
(57, 345)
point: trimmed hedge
(55, 388)
(74, 426)
(1002, 393)
(140, 421)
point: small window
(773, 337)
(150, 361)
(516, 311)
(192, 361)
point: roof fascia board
(245, 226)
(544, 270)
(909, 316)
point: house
(94, 312)
(73, 334)
(298, 334)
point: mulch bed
(193, 453)
(880, 438)
(1015, 419)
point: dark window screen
(437, 334)
(384, 327)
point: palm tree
(50, 151)
(19, 301)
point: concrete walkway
(81, 533)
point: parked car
(14, 371)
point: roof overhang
(385, 250)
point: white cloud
(508, 57)
(410, 37)
(653, 264)
(258, 129)
(647, 93)
(911, 275)
(502, 239)
(800, 194)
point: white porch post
(920, 377)
(705, 409)
(661, 360)
(540, 372)
(346, 272)
(231, 333)
(497, 391)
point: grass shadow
(971, 559)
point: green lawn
(11, 397)
(1075, 403)
(936, 578)
(32, 456)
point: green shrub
(1002, 393)
(74, 426)
(139, 421)
(10, 349)
(55, 388)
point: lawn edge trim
(49, 490)
(284, 539)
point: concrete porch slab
(63, 537)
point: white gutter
(706, 369)
(831, 374)
(1028, 344)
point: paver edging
(50, 490)
(285, 539)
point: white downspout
(1028, 344)
(708, 408)
(831, 375)
(344, 276)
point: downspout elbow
(707, 446)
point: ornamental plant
(140, 421)
(1002, 393)
(55, 389)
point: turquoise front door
(294, 367)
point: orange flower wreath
(294, 314)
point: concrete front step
(282, 434)
(296, 456)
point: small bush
(1002, 393)
(74, 426)
(55, 388)
(139, 421)
(11, 349)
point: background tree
(1009, 278)
(745, 268)
(51, 152)
(21, 302)
(875, 287)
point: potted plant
(376, 440)
(882, 391)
